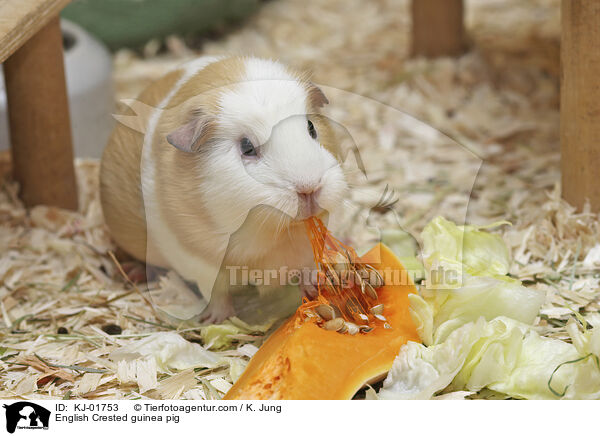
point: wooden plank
(580, 102)
(5, 165)
(437, 28)
(21, 19)
(38, 114)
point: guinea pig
(228, 159)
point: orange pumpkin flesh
(302, 361)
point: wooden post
(580, 102)
(437, 28)
(40, 130)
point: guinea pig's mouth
(301, 217)
(308, 205)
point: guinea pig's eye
(311, 130)
(247, 147)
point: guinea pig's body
(227, 158)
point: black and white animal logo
(26, 415)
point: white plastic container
(88, 69)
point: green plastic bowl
(131, 23)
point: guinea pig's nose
(308, 189)
(309, 195)
(307, 202)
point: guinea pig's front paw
(135, 271)
(217, 311)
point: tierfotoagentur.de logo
(24, 415)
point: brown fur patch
(316, 97)
(206, 87)
(120, 180)
(326, 135)
(179, 174)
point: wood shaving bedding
(474, 139)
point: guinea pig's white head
(263, 144)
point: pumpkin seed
(325, 311)
(310, 314)
(360, 272)
(381, 317)
(375, 278)
(369, 291)
(364, 328)
(332, 275)
(377, 310)
(346, 278)
(361, 317)
(337, 257)
(362, 283)
(336, 310)
(340, 263)
(376, 281)
(335, 324)
(344, 328)
(356, 278)
(352, 328)
(387, 326)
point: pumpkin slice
(303, 361)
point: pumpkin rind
(311, 363)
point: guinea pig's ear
(189, 136)
(316, 96)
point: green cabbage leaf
(476, 325)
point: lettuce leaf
(419, 372)
(221, 336)
(502, 355)
(442, 311)
(480, 286)
(169, 351)
(476, 328)
(587, 341)
(463, 249)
